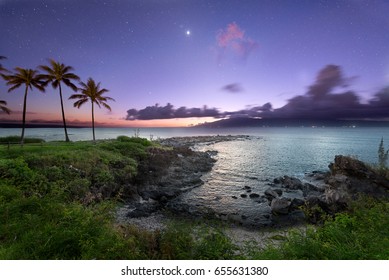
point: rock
(247, 188)
(243, 195)
(291, 183)
(278, 191)
(296, 203)
(234, 197)
(292, 194)
(351, 177)
(280, 206)
(254, 195)
(270, 193)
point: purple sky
(230, 56)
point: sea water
(284, 150)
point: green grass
(362, 233)
(57, 201)
(17, 139)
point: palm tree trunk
(24, 116)
(63, 115)
(93, 123)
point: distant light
(187, 32)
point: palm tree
(1, 66)
(3, 104)
(30, 79)
(57, 73)
(3, 107)
(91, 91)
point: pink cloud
(233, 38)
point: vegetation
(3, 104)
(16, 139)
(56, 74)
(30, 79)
(92, 92)
(57, 201)
(3, 107)
(361, 233)
(382, 155)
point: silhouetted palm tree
(3, 104)
(3, 107)
(57, 73)
(91, 91)
(1, 66)
(30, 79)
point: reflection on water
(246, 167)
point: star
(188, 33)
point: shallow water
(253, 164)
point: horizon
(177, 64)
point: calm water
(277, 152)
(273, 152)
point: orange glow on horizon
(101, 121)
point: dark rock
(280, 206)
(278, 191)
(249, 191)
(254, 195)
(351, 177)
(243, 195)
(247, 188)
(277, 180)
(143, 209)
(270, 193)
(297, 203)
(292, 194)
(234, 197)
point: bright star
(187, 32)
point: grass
(57, 202)
(360, 234)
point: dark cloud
(233, 88)
(168, 112)
(320, 102)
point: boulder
(280, 206)
(351, 177)
(270, 193)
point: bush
(362, 234)
(17, 139)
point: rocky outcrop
(350, 178)
(167, 173)
(327, 192)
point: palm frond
(77, 96)
(80, 102)
(14, 87)
(3, 107)
(106, 106)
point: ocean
(254, 163)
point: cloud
(233, 88)
(233, 40)
(322, 101)
(157, 112)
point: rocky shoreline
(321, 193)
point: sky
(183, 62)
